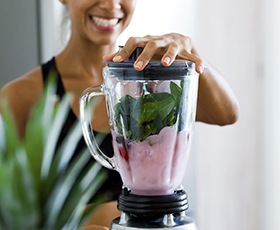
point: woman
(95, 27)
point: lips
(105, 22)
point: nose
(110, 4)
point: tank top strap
(49, 68)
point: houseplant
(40, 187)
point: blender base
(153, 212)
(180, 222)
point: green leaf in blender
(138, 118)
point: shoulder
(21, 94)
(29, 84)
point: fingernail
(139, 65)
(201, 68)
(167, 60)
(117, 58)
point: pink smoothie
(154, 166)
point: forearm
(217, 103)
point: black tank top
(113, 184)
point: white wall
(159, 17)
(238, 167)
(51, 28)
(228, 158)
(271, 157)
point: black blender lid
(179, 69)
(152, 63)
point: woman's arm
(216, 102)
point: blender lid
(153, 63)
(179, 69)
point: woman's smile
(103, 23)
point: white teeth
(105, 22)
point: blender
(151, 114)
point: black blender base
(181, 222)
(153, 212)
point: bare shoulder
(24, 82)
(21, 94)
(25, 90)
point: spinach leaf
(138, 118)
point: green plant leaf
(56, 127)
(9, 138)
(43, 186)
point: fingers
(109, 57)
(199, 65)
(152, 46)
(170, 54)
(150, 49)
(167, 47)
(131, 44)
(125, 52)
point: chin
(108, 40)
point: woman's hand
(94, 227)
(167, 48)
(102, 216)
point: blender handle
(85, 118)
